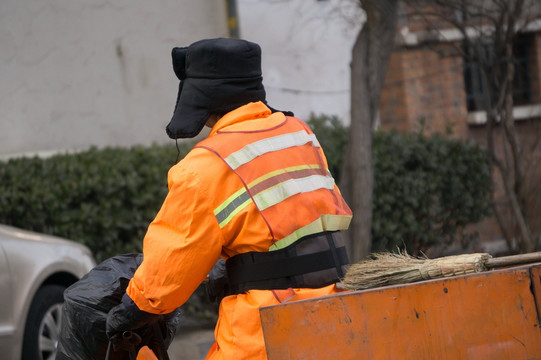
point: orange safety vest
(259, 182)
(285, 175)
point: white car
(35, 269)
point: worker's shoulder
(200, 163)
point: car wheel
(42, 329)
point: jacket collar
(253, 110)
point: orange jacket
(222, 202)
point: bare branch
(502, 224)
(536, 146)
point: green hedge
(426, 189)
(104, 198)
(333, 137)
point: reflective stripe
(275, 143)
(238, 201)
(283, 177)
(285, 170)
(324, 223)
(279, 178)
(282, 191)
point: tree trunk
(517, 201)
(370, 56)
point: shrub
(426, 189)
(333, 137)
(104, 198)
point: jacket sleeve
(180, 247)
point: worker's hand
(125, 341)
(127, 317)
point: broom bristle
(391, 269)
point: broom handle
(513, 260)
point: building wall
(80, 73)
(306, 47)
(529, 134)
(424, 87)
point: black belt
(311, 262)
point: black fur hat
(216, 76)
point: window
(475, 88)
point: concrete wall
(306, 48)
(93, 72)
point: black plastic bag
(86, 304)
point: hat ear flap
(172, 129)
(180, 85)
(179, 61)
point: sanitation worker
(256, 192)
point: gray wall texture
(79, 73)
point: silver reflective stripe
(286, 189)
(236, 205)
(275, 143)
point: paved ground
(191, 344)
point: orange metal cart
(490, 315)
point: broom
(391, 269)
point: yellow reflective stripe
(275, 143)
(282, 191)
(324, 223)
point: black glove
(126, 317)
(218, 284)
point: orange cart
(490, 315)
